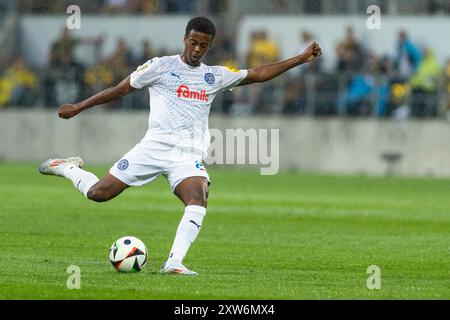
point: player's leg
(106, 189)
(193, 192)
(86, 182)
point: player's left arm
(270, 71)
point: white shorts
(149, 159)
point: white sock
(187, 232)
(82, 180)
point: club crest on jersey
(123, 164)
(199, 165)
(209, 78)
(184, 92)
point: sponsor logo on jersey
(209, 78)
(123, 164)
(175, 75)
(184, 92)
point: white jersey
(180, 99)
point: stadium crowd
(138, 7)
(411, 83)
(212, 7)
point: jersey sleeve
(147, 73)
(231, 78)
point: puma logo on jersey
(185, 92)
(175, 75)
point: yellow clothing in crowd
(262, 51)
(14, 77)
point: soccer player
(181, 89)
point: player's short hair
(201, 24)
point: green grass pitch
(289, 236)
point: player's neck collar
(187, 65)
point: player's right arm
(145, 75)
(68, 110)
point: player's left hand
(313, 51)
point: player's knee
(98, 195)
(197, 198)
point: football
(128, 254)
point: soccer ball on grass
(128, 254)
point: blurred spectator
(223, 47)
(143, 7)
(3, 60)
(66, 45)
(424, 86)
(300, 94)
(438, 6)
(146, 53)
(357, 98)
(30, 6)
(306, 38)
(262, 50)
(63, 46)
(398, 106)
(123, 53)
(119, 65)
(240, 103)
(115, 6)
(294, 98)
(281, 7)
(97, 78)
(216, 7)
(176, 6)
(349, 53)
(130, 6)
(18, 85)
(383, 71)
(229, 60)
(408, 57)
(63, 76)
(67, 80)
(122, 60)
(302, 85)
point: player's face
(196, 44)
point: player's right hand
(67, 111)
